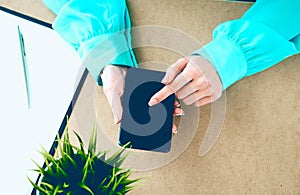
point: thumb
(117, 110)
(174, 70)
(114, 100)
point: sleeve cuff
(227, 58)
(100, 27)
(102, 50)
(243, 48)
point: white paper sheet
(52, 71)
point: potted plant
(77, 171)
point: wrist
(112, 68)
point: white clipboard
(53, 69)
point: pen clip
(25, 68)
(22, 44)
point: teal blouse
(267, 33)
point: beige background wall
(258, 151)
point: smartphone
(142, 126)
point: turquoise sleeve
(267, 33)
(86, 24)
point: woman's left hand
(193, 79)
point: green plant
(82, 172)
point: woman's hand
(113, 78)
(193, 80)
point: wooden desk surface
(258, 151)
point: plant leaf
(80, 141)
(57, 190)
(71, 160)
(82, 185)
(40, 169)
(93, 141)
(40, 189)
(86, 167)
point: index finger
(160, 95)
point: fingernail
(152, 102)
(116, 121)
(165, 80)
(180, 114)
(174, 129)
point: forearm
(249, 45)
(94, 24)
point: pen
(24, 61)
